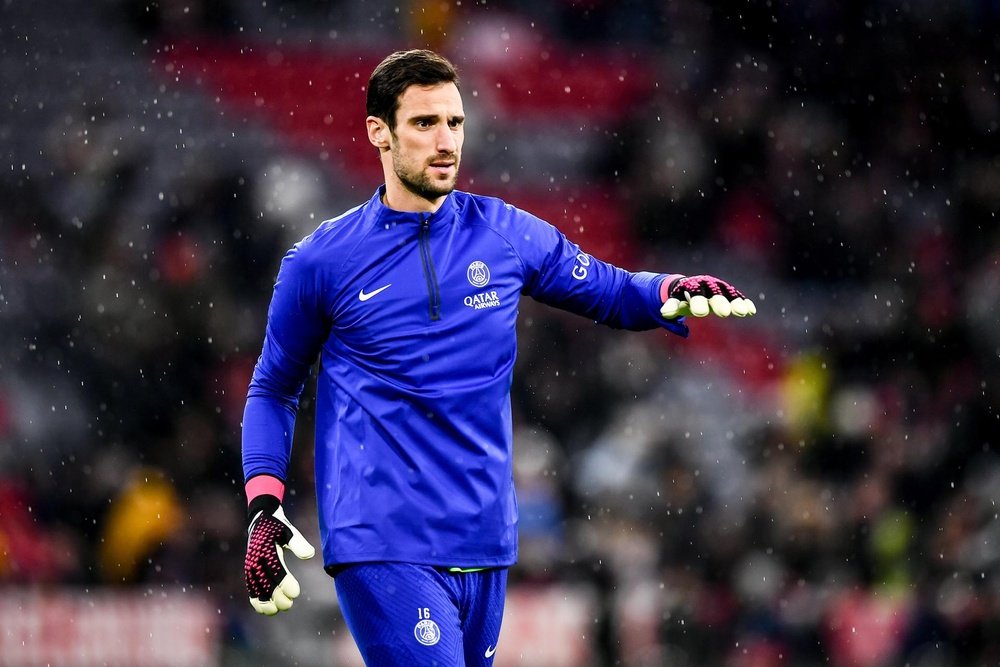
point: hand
(700, 295)
(270, 585)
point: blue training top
(413, 317)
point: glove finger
(255, 584)
(293, 539)
(747, 307)
(288, 587)
(300, 546)
(281, 600)
(699, 305)
(271, 573)
(698, 286)
(268, 608)
(671, 308)
(720, 306)
(260, 579)
(683, 308)
(728, 290)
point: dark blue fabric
(404, 614)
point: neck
(399, 198)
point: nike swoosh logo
(490, 651)
(364, 296)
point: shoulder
(340, 229)
(334, 237)
(491, 212)
(323, 251)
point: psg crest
(478, 273)
(427, 632)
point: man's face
(426, 146)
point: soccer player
(410, 301)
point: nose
(447, 142)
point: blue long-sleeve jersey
(413, 318)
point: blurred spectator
(143, 516)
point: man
(410, 301)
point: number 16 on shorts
(426, 630)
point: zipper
(430, 275)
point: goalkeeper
(410, 301)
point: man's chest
(424, 282)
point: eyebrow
(431, 117)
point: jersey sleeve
(297, 325)
(560, 274)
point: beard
(419, 182)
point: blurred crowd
(817, 486)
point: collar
(385, 215)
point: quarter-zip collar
(387, 216)
(422, 223)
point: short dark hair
(399, 71)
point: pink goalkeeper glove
(701, 295)
(270, 585)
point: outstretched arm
(559, 273)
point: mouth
(443, 167)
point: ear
(378, 133)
